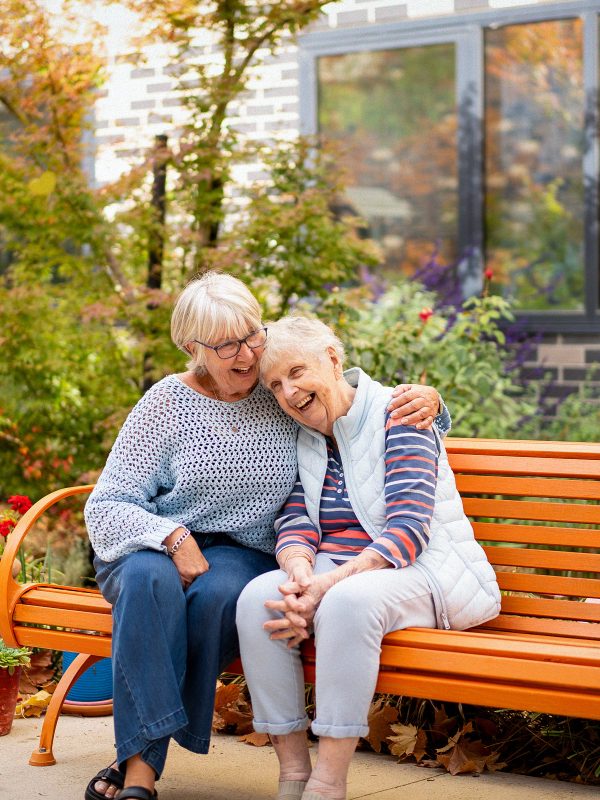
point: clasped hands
(300, 598)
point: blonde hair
(294, 333)
(210, 309)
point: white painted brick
(561, 354)
(423, 8)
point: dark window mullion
(591, 162)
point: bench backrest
(535, 508)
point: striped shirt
(410, 478)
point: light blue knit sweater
(185, 459)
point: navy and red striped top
(410, 478)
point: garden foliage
(84, 306)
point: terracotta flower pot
(9, 690)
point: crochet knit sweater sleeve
(121, 513)
(184, 460)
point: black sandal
(109, 775)
(137, 793)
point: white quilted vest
(462, 581)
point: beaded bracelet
(178, 542)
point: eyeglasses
(232, 347)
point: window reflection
(394, 113)
(533, 159)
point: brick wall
(138, 102)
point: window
(534, 196)
(474, 136)
(393, 111)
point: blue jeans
(169, 646)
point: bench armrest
(10, 590)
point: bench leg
(43, 756)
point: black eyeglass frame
(239, 343)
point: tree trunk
(156, 242)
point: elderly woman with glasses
(182, 519)
(372, 539)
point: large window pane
(394, 113)
(534, 147)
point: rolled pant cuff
(339, 731)
(281, 728)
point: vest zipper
(438, 596)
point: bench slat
(503, 643)
(528, 487)
(543, 559)
(521, 447)
(549, 700)
(481, 464)
(94, 645)
(78, 620)
(69, 601)
(555, 627)
(548, 584)
(534, 672)
(525, 509)
(537, 534)
(555, 609)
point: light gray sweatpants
(353, 617)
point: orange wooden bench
(535, 506)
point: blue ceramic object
(95, 683)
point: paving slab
(237, 771)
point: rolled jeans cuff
(281, 728)
(339, 731)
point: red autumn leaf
(381, 715)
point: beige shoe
(291, 790)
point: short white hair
(210, 309)
(296, 333)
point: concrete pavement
(236, 771)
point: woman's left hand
(415, 404)
(298, 606)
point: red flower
(489, 274)
(424, 314)
(20, 503)
(6, 526)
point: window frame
(466, 32)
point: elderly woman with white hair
(181, 519)
(372, 539)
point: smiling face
(310, 388)
(233, 377)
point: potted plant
(11, 661)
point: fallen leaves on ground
(232, 712)
(255, 739)
(33, 706)
(39, 673)
(381, 716)
(408, 741)
(463, 754)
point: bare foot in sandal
(106, 784)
